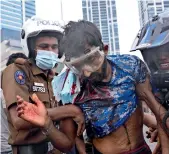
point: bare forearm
(62, 112)
(80, 146)
(145, 94)
(59, 140)
(155, 106)
(149, 120)
(144, 91)
(164, 139)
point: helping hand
(80, 121)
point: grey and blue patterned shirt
(107, 106)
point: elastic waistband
(143, 149)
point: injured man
(111, 91)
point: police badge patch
(19, 77)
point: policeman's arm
(18, 123)
(13, 83)
(144, 91)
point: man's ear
(106, 48)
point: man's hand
(79, 120)
(152, 134)
(157, 149)
(68, 111)
(34, 113)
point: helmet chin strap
(32, 54)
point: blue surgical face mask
(46, 60)
(70, 89)
(66, 87)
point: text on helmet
(47, 22)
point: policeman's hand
(34, 113)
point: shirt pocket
(43, 97)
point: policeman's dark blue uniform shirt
(107, 106)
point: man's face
(89, 65)
(94, 76)
(164, 60)
(106, 52)
(47, 43)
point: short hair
(14, 56)
(77, 35)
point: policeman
(153, 42)
(39, 39)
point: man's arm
(58, 113)
(80, 145)
(149, 120)
(164, 140)
(68, 111)
(141, 75)
(64, 139)
(144, 92)
(37, 114)
(61, 112)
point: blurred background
(118, 20)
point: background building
(13, 15)
(149, 8)
(103, 14)
(29, 9)
(9, 47)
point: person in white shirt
(5, 147)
